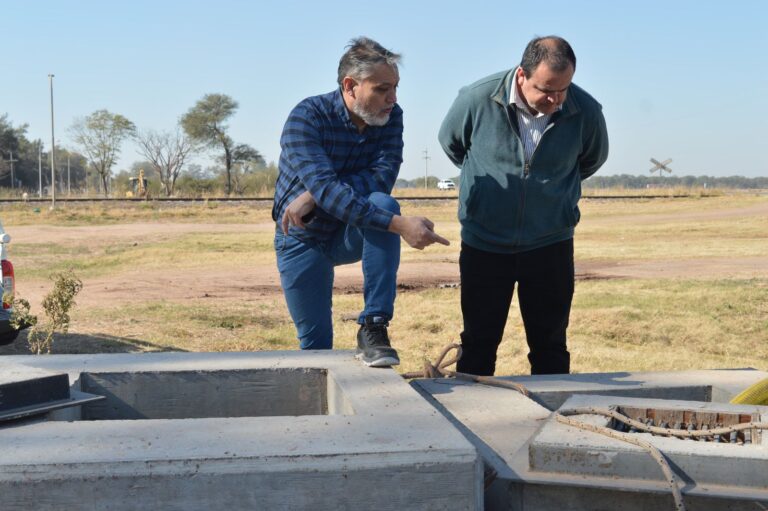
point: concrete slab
(561, 448)
(22, 386)
(502, 424)
(361, 439)
(708, 385)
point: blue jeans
(307, 271)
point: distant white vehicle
(446, 184)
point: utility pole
(69, 187)
(11, 161)
(39, 168)
(426, 159)
(53, 150)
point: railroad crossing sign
(660, 166)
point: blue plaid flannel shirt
(323, 152)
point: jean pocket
(279, 241)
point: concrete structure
(544, 465)
(21, 387)
(559, 448)
(317, 430)
(27, 391)
(269, 430)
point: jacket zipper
(526, 174)
(526, 169)
(528, 163)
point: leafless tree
(166, 151)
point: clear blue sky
(686, 80)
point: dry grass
(134, 212)
(181, 251)
(723, 226)
(616, 325)
(674, 191)
(619, 324)
(674, 324)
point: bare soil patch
(703, 268)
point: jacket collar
(501, 96)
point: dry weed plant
(56, 306)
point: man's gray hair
(362, 56)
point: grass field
(700, 315)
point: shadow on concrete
(73, 343)
(550, 382)
(615, 378)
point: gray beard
(369, 118)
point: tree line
(99, 137)
(25, 164)
(637, 182)
(629, 181)
(240, 169)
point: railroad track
(159, 200)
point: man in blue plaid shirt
(341, 153)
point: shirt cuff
(381, 219)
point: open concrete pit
(542, 464)
(560, 448)
(304, 430)
(270, 430)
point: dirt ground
(264, 280)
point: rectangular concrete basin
(237, 431)
(205, 394)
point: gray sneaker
(373, 344)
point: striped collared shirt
(323, 152)
(531, 126)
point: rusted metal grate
(692, 420)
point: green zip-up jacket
(505, 207)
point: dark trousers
(545, 281)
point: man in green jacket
(524, 140)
